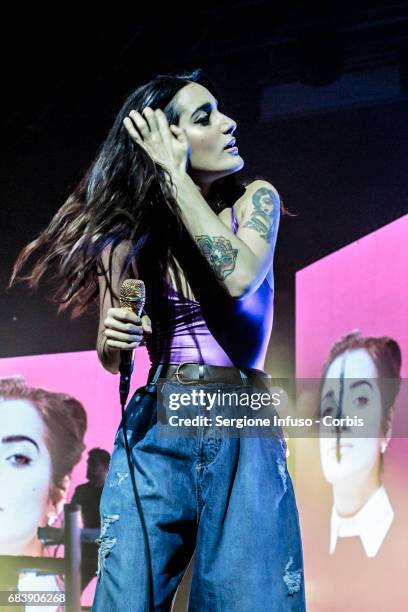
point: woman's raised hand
(166, 145)
(124, 329)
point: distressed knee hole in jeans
(118, 479)
(282, 472)
(106, 542)
(292, 579)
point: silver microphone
(132, 297)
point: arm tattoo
(265, 214)
(219, 253)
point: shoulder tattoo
(265, 214)
(219, 253)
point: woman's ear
(387, 430)
(57, 500)
(388, 426)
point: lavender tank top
(234, 332)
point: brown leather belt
(190, 372)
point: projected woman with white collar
(360, 380)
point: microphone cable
(132, 296)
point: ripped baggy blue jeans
(228, 498)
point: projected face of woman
(25, 477)
(208, 131)
(358, 455)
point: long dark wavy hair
(124, 196)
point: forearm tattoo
(265, 215)
(219, 253)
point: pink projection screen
(354, 523)
(81, 376)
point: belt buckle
(177, 373)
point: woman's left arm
(248, 255)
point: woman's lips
(233, 150)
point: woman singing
(160, 203)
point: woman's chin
(210, 176)
(235, 167)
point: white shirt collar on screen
(371, 523)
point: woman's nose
(229, 126)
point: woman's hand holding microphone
(124, 329)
